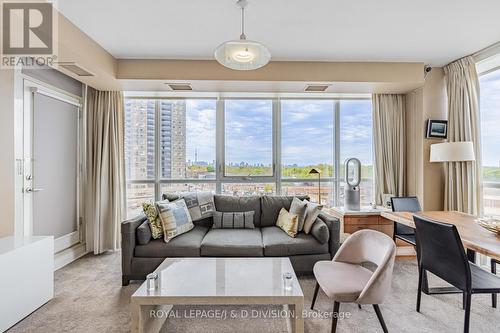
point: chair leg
(335, 316)
(380, 318)
(419, 290)
(467, 313)
(316, 289)
(464, 300)
(359, 306)
(494, 271)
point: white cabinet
(26, 276)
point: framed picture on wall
(437, 129)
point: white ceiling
(430, 31)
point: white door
(51, 172)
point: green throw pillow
(151, 213)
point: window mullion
(219, 144)
(157, 127)
(336, 153)
(277, 144)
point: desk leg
(471, 255)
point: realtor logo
(28, 31)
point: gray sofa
(265, 240)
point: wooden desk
(369, 218)
(474, 237)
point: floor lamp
(315, 171)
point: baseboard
(69, 255)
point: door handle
(31, 190)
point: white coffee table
(218, 281)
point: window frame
(220, 178)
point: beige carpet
(89, 298)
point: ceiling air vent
(180, 86)
(74, 68)
(316, 87)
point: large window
(490, 139)
(307, 142)
(356, 141)
(245, 147)
(248, 138)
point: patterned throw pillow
(288, 222)
(200, 204)
(312, 212)
(151, 213)
(299, 207)
(175, 218)
(236, 220)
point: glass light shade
(242, 55)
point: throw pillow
(288, 222)
(200, 204)
(143, 233)
(236, 220)
(175, 218)
(312, 212)
(299, 207)
(320, 231)
(151, 213)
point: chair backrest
(404, 204)
(441, 252)
(375, 247)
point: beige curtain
(463, 191)
(104, 167)
(389, 143)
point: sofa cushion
(233, 220)
(185, 245)
(143, 233)
(277, 243)
(320, 231)
(232, 243)
(227, 203)
(271, 206)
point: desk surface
(473, 236)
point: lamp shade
(452, 152)
(243, 55)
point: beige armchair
(345, 280)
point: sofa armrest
(333, 224)
(129, 241)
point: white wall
(7, 160)
(424, 179)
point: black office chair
(405, 204)
(441, 252)
(494, 264)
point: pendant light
(242, 54)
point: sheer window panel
(356, 140)
(248, 138)
(307, 137)
(490, 141)
(247, 189)
(137, 194)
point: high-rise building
(173, 138)
(140, 115)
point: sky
(307, 131)
(490, 118)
